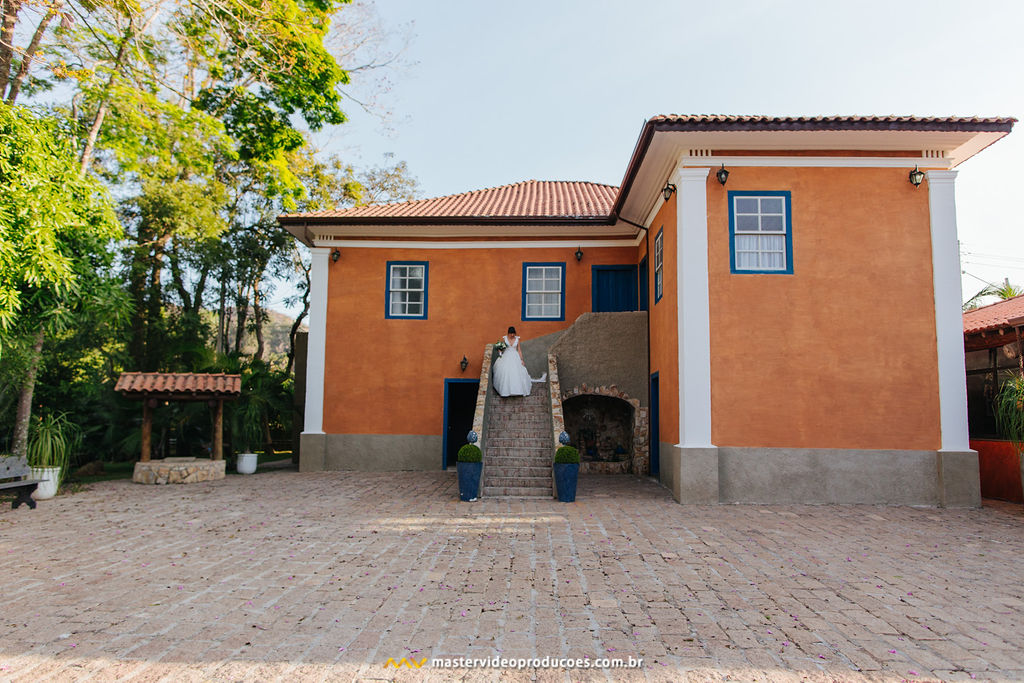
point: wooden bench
(15, 476)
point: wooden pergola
(153, 387)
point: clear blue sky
(499, 92)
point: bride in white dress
(509, 374)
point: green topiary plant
(567, 455)
(470, 453)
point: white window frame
(527, 292)
(391, 304)
(659, 265)
(786, 233)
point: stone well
(178, 471)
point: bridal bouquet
(500, 346)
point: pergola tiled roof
(532, 199)
(154, 387)
(994, 316)
(179, 384)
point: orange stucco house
(733, 297)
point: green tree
(56, 229)
(194, 116)
(1004, 291)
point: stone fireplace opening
(601, 427)
(608, 427)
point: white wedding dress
(508, 374)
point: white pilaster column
(317, 344)
(693, 307)
(949, 326)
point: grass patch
(276, 457)
(111, 471)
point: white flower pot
(246, 463)
(47, 488)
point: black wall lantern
(579, 253)
(916, 176)
(667, 191)
(464, 363)
(722, 175)
(336, 254)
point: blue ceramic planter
(469, 479)
(565, 480)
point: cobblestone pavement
(289, 576)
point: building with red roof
(713, 321)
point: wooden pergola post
(147, 428)
(218, 431)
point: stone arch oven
(609, 428)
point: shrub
(470, 453)
(51, 440)
(567, 455)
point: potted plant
(567, 470)
(470, 465)
(51, 439)
(1009, 411)
(246, 460)
(245, 431)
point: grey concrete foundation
(311, 451)
(959, 479)
(691, 473)
(668, 467)
(821, 476)
(370, 452)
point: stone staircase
(519, 450)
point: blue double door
(615, 288)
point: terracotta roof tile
(993, 316)
(729, 122)
(178, 383)
(535, 199)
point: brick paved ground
(288, 576)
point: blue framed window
(406, 295)
(760, 232)
(659, 264)
(544, 291)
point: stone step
(532, 458)
(533, 399)
(516, 461)
(518, 431)
(531, 423)
(519, 482)
(539, 418)
(533, 411)
(532, 443)
(519, 452)
(531, 403)
(507, 470)
(518, 442)
(517, 492)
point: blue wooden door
(655, 427)
(459, 409)
(644, 286)
(613, 288)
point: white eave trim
(941, 163)
(326, 241)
